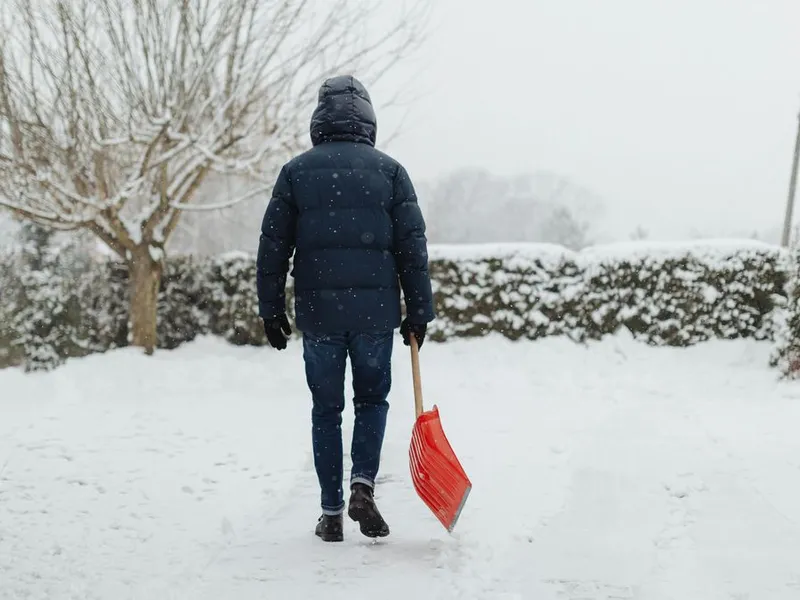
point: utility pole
(787, 219)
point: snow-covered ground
(614, 471)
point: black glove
(418, 329)
(278, 331)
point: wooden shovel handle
(416, 374)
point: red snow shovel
(438, 477)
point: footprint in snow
(685, 485)
(227, 528)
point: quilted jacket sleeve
(411, 250)
(275, 248)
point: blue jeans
(325, 358)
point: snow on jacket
(350, 216)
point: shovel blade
(438, 477)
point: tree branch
(114, 112)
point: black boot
(330, 528)
(362, 509)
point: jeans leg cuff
(333, 512)
(362, 479)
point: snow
(133, 230)
(9, 229)
(499, 251)
(653, 250)
(614, 470)
(235, 255)
(156, 253)
(616, 252)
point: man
(349, 214)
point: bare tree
(214, 232)
(114, 112)
(476, 206)
(562, 227)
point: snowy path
(614, 472)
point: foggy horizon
(680, 116)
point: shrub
(665, 294)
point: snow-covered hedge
(786, 353)
(663, 293)
(45, 313)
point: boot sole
(335, 537)
(369, 523)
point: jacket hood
(344, 113)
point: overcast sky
(681, 114)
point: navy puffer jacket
(349, 214)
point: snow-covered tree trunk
(145, 282)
